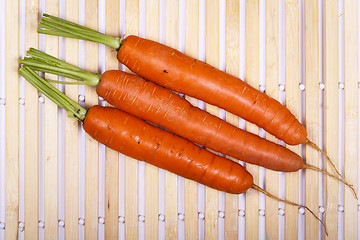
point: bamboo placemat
(58, 183)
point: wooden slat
(251, 77)
(232, 67)
(292, 102)
(91, 146)
(272, 89)
(12, 120)
(111, 156)
(312, 113)
(171, 39)
(152, 172)
(191, 49)
(51, 142)
(351, 117)
(212, 58)
(31, 211)
(71, 137)
(331, 111)
(131, 165)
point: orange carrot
(140, 140)
(160, 106)
(174, 70)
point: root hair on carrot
(266, 193)
(333, 176)
(314, 145)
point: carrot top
(41, 61)
(55, 26)
(74, 110)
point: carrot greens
(55, 26)
(74, 110)
(41, 61)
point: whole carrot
(138, 139)
(174, 70)
(161, 106)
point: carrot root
(341, 178)
(312, 144)
(257, 188)
(333, 176)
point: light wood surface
(311, 112)
(332, 111)
(292, 102)
(71, 137)
(31, 211)
(252, 78)
(51, 142)
(91, 146)
(12, 121)
(351, 92)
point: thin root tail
(333, 176)
(257, 188)
(312, 144)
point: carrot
(160, 106)
(140, 140)
(179, 72)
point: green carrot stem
(53, 94)
(41, 61)
(66, 82)
(52, 25)
(66, 21)
(37, 54)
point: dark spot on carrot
(157, 146)
(165, 71)
(138, 142)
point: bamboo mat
(58, 183)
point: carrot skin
(174, 70)
(160, 106)
(140, 140)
